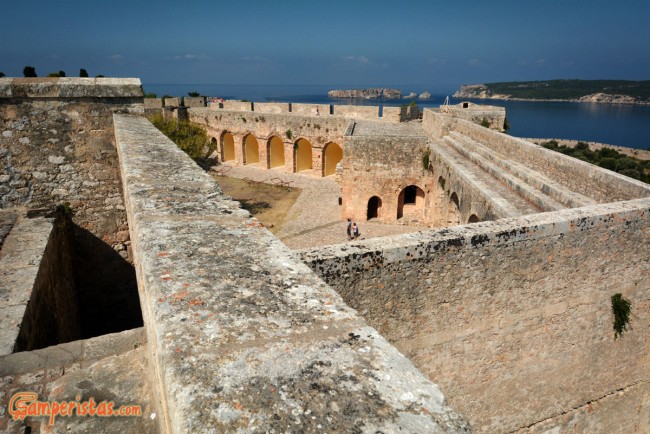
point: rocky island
(596, 91)
(373, 93)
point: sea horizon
(625, 125)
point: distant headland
(372, 93)
(376, 93)
(595, 91)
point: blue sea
(615, 124)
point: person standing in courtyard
(349, 230)
(355, 231)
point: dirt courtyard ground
(307, 216)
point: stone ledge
(20, 262)
(344, 258)
(84, 351)
(70, 87)
(241, 334)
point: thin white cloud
(437, 61)
(474, 62)
(189, 56)
(359, 59)
(117, 57)
(255, 59)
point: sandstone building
(504, 303)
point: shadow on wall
(107, 290)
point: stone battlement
(387, 113)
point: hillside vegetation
(606, 158)
(639, 91)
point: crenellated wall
(513, 317)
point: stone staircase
(524, 189)
(520, 176)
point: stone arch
(302, 155)
(275, 152)
(332, 154)
(227, 146)
(453, 210)
(251, 150)
(374, 208)
(473, 219)
(410, 201)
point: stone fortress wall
(474, 174)
(57, 147)
(236, 323)
(239, 333)
(291, 143)
(512, 317)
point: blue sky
(440, 44)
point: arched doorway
(227, 147)
(453, 210)
(410, 201)
(213, 146)
(251, 150)
(302, 155)
(473, 219)
(331, 157)
(275, 152)
(374, 207)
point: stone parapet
(194, 101)
(70, 87)
(271, 107)
(173, 102)
(153, 103)
(236, 324)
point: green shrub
(189, 137)
(621, 308)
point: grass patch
(270, 204)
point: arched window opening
(374, 207)
(473, 219)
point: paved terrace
(241, 335)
